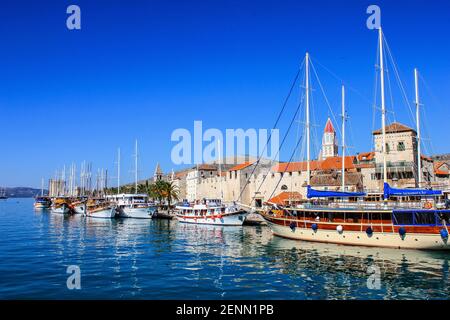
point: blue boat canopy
(332, 194)
(389, 191)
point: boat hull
(107, 213)
(79, 209)
(234, 219)
(421, 241)
(136, 213)
(41, 206)
(61, 210)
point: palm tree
(156, 190)
(171, 192)
(162, 190)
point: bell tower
(329, 142)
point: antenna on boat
(136, 169)
(42, 187)
(383, 105)
(308, 155)
(419, 164)
(343, 139)
(220, 169)
(118, 171)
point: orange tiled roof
(438, 170)
(285, 196)
(394, 127)
(241, 166)
(424, 157)
(366, 156)
(332, 163)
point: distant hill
(22, 192)
(441, 157)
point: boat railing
(389, 205)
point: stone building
(253, 184)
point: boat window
(415, 218)
(353, 217)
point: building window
(401, 146)
(284, 187)
(388, 148)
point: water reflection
(343, 270)
(163, 259)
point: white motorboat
(132, 205)
(211, 212)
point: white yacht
(211, 211)
(132, 205)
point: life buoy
(427, 205)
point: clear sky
(140, 69)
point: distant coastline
(23, 192)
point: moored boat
(3, 195)
(60, 206)
(211, 212)
(132, 206)
(78, 206)
(99, 208)
(394, 222)
(41, 203)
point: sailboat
(131, 205)
(3, 195)
(42, 202)
(389, 225)
(212, 211)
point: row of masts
(136, 172)
(383, 119)
(64, 182)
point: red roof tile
(285, 197)
(394, 127)
(332, 163)
(241, 166)
(366, 156)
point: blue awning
(388, 192)
(332, 194)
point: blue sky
(140, 69)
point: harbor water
(162, 259)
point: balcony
(396, 167)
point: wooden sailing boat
(42, 202)
(363, 224)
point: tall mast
(383, 105)
(118, 171)
(42, 187)
(136, 169)
(419, 160)
(343, 139)
(308, 155)
(220, 170)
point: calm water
(138, 259)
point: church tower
(158, 173)
(329, 142)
